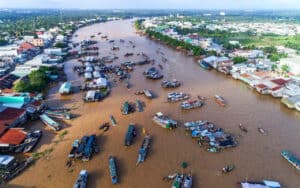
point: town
(80, 95)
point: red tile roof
(10, 115)
(3, 128)
(279, 81)
(261, 86)
(13, 136)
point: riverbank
(256, 157)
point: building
(25, 46)
(14, 136)
(38, 42)
(12, 117)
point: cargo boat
(143, 151)
(113, 170)
(50, 122)
(131, 133)
(291, 158)
(170, 84)
(73, 151)
(205, 65)
(186, 105)
(89, 148)
(139, 105)
(164, 121)
(177, 96)
(113, 120)
(81, 180)
(58, 114)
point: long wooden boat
(50, 122)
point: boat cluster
(210, 135)
(170, 84)
(153, 73)
(84, 148)
(177, 96)
(129, 107)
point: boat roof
(13, 136)
(6, 159)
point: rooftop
(13, 136)
(9, 115)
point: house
(38, 42)
(215, 61)
(12, 117)
(25, 46)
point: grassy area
(44, 153)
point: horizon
(153, 5)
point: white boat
(50, 122)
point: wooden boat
(148, 94)
(242, 128)
(113, 169)
(228, 168)
(81, 180)
(177, 181)
(89, 148)
(80, 149)
(187, 181)
(186, 105)
(143, 151)
(58, 114)
(261, 130)
(205, 65)
(164, 121)
(139, 105)
(170, 84)
(75, 146)
(30, 142)
(291, 158)
(50, 122)
(220, 100)
(177, 96)
(113, 121)
(130, 134)
(104, 126)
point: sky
(153, 4)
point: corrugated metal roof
(10, 115)
(13, 136)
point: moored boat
(205, 65)
(177, 96)
(186, 105)
(139, 105)
(291, 158)
(187, 181)
(143, 151)
(58, 114)
(148, 94)
(50, 122)
(81, 180)
(113, 169)
(170, 84)
(220, 100)
(113, 120)
(164, 121)
(130, 134)
(75, 146)
(178, 181)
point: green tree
(22, 86)
(60, 45)
(239, 59)
(285, 68)
(274, 67)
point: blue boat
(81, 146)
(113, 170)
(205, 65)
(291, 158)
(113, 120)
(131, 133)
(81, 180)
(88, 149)
(143, 151)
(139, 105)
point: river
(256, 157)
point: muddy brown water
(256, 157)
